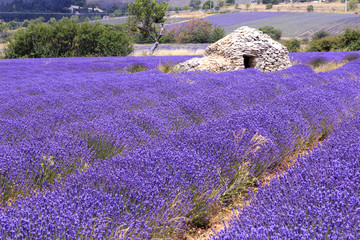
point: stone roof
(245, 47)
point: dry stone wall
(245, 47)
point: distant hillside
(107, 3)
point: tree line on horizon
(67, 37)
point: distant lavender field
(228, 19)
(292, 24)
(301, 24)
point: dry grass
(2, 46)
(329, 66)
(184, 14)
(175, 52)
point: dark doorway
(249, 61)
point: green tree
(114, 41)
(25, 23)
(52, 21)
(269, 6)
(169, 8)
(198, 31)
(195, 4)
(116, 13)
(13, 25)
(351, 39)
(352, 4)
(37, 20)
(293, 45)
(271, 31)
(186, 7)
(208, 5)
(221, 3)
(325, 44)
(230, 2)
(247, 5)
(273, 2)
(217, 34)
(66, 38)
(148, 17)
(3, 27)
(320, 34)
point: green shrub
(217, 34)
(116, 13)
(352, 4)
(293, 45)
(271, 31)
(310, 8)
(208, 4)
(3, 27)
(351, 39)
(325, 44)
(320, 34)
(137, 67)
(269, 6)
(194, 31)
(141, 39)
(168, 38)
(351, 57)
(316, 62)
(66, 38)
(230, 2)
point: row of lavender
(75, 117)
(318, 198)
(147, 148)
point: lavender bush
(318, 198)
(91, 151)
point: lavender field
(302, 24)
(89, 150)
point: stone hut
(244, 48)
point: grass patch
(351, 57)
(329, 66)
(169, 67)
(49, 171)
(134, 68)
(317, 62)
(103, 148)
